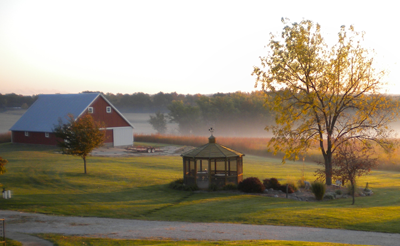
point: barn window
(108, 109)
(46, 134)
(26, 134)
(90, 110)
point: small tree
(159, 122)
(79, 136)
(3, 162)
(353, 160)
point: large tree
(79, 137)
(323, 95)
(159, 122)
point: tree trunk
(328, 169)
(84, 164)
(353, 191)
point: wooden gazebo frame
(212, 163)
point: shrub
(212, 187)
(271, 183)
(179, 185)
(230, 186)
(318, 189)
(338, 192)
(330, 195)
(301, 183)
(293, 185)
(251, 185)
(283, 189)
(5, 137)
(350, 189)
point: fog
(140, 121)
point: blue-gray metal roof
(44, 113)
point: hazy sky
(151, 46)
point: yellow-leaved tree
(323, 95)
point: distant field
(138, 120)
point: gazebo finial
(211, 130)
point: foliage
(158, 122)
(323, 94)
(318, 189)
(301, 183)
(339, 192)
(251, 185)
(290, 189)
(3, 162)
(179, 185)
(271, 183)
(13, 100)
(293, 185)
(230, 186)
(330, 195)
(79, 137)
(353, 160)
(187, 117)
(212, 187)
(5, 137)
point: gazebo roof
(212, 150)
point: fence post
(2, 231)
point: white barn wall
(123, 136)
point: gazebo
(212, 163)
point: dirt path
(17, 223)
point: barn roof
(212, 150)
(46, 111)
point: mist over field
(142, 126)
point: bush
(283, 189)
(251, 185)
(230, 186)
(301, 183)
(179, 185)
(350, 189)
(338, 192)
(330, 195)
(318, 189)
(271, 183)
(212, 187)
(293, 185)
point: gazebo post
(225, 171)
(209, 171)
(195, 170)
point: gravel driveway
(18, 223)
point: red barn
(37, 124)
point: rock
(266, 191)
(270, 189)
(276, 196)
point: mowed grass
(74, 240)
(45, 181)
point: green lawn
(44, 181)
(70, 240)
